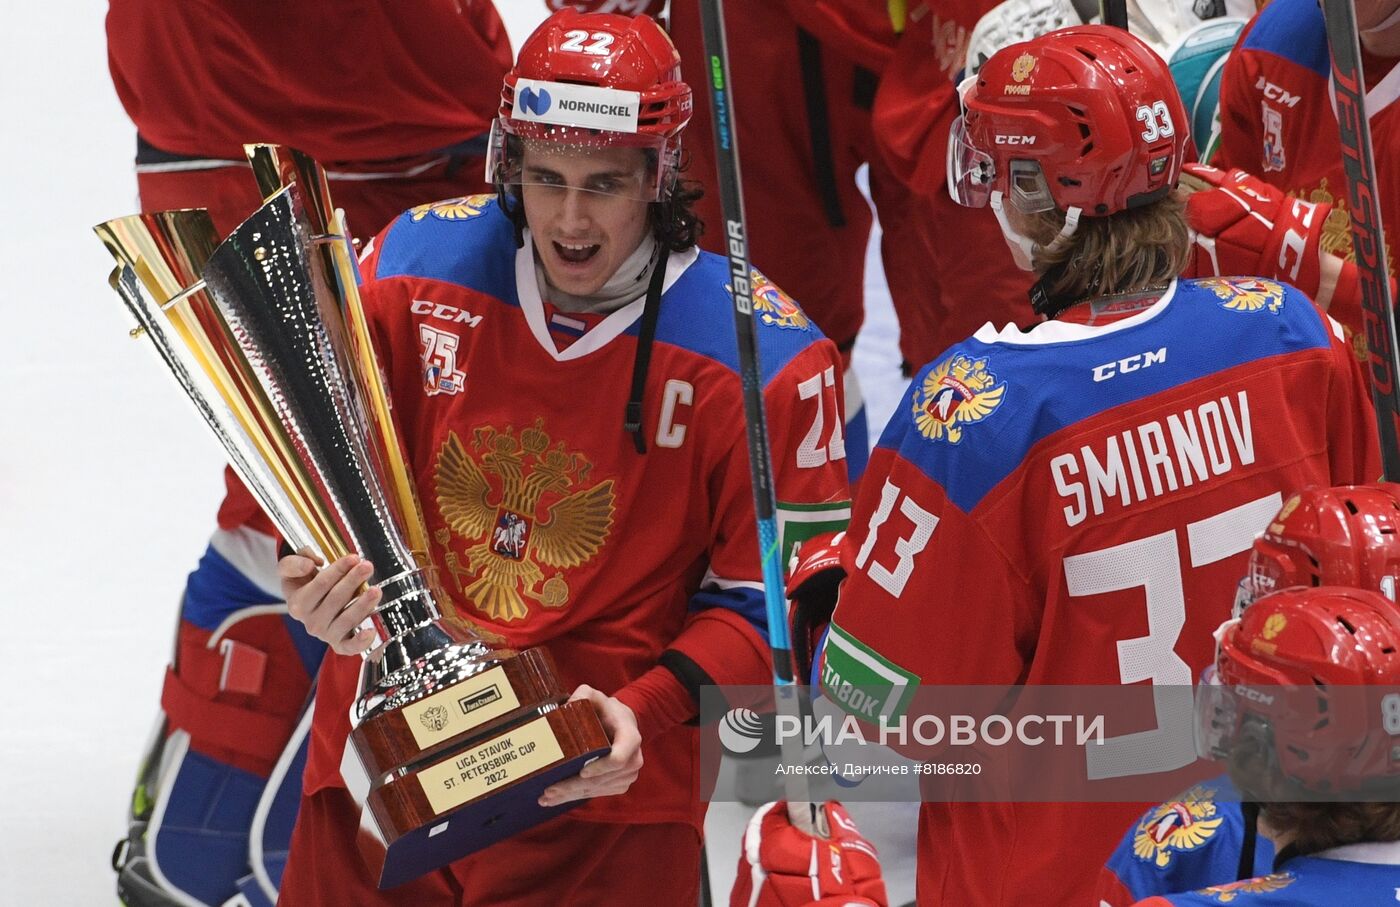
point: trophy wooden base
(497, 697)
(471, 798)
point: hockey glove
(813, 582)
(781, 866)
(1243, 226)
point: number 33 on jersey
(1025, 519)
(1038, 512)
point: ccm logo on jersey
(1129, 364)
(1277, 93)
(1015, 140)
(445, 312)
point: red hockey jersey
(547, 524)
(1278, 123)
(201, 77)
(1073, 505)
(917, 100)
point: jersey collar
(615, 323)
(1381, 853)
(1067, 332)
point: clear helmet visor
(973, 175)
(1244, 597)
(971, 171)
(1217, 716)
(634, 166)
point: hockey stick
(801, 810)
(1114, 12)
(1367, 235)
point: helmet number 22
(1157, 120)
(599, 42)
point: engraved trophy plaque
(454, 738)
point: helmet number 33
(1157, 121)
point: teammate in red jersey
(1277, 120)
(1300, 706)
(1347, 536)
(958, 253)
(508, 329)
(377, 91)
(1073, 504)
(804, 76)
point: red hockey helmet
(1311, 674)
(591, 80)
(1343, 536)
(1085, 117)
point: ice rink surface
(108, 483)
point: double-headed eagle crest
(776, 307)
(956, 393)
(453, 208)
(1180, 825)
(521, 506)
(1246, 294)
(1226, 894)
(1021, 67)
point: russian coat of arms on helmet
(955, 394)
(1021, 67)
(1180, 825)
(463, 208)
(522, 504)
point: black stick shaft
(1115, 13)
(1367, 234)
(760, 456)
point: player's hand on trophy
(611, 774)
(328, 600)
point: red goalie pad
(782, 866)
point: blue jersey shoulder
(1187, 843)
(466, 241)
(970, 418)
(1293, 30)
(1305, 882)
(697, 314)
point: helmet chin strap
(1023, 248)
